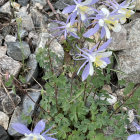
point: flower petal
(137, 126)
(91, 70)
(105, 54)
(21, 128)
(103, 33)
(68, 9)
(105, 11)
(40, 126)
(85, 72)
(134, 137)
(91, 31)
(73, 17)
(94, 1)
(74, 35)
(108, 35)
(83, 16)
(65, 34)
(106, 59)
(82, 66)
(105, 45)
(123, 20)
(88, 2)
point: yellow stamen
(127, 12)
(83, 8)
(34, 138)
(98, 62)
(111, 23)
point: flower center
(70, 28)
(126, 12)
(98, 62)
(83, 9)
(111, 23)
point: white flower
(108, 22)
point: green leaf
(99, 136)
(128, 89)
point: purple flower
(81, 8)
(106, 21)
(67, 28)
(124, 8)
(135, 136)
(100, 58)
(36, 134)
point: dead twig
(52, 8)
(8, 94)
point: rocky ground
(23, 30)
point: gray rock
(10, 38)
(33, 69)
(4, 120)
(1, 38)
(52, 25)
(42, 2)
(16, 118)
(34, 37)
(6, 8)
(22, 33)
(27, 22)
(10, 102)
(60, 4)
(7, 64)
(3, 50)
(2, 96)
(22, 12)
(3, 134)
(18, 51)
(23, 2)
(23, 109)
(55, 47)
(2, 2)
(129, 59)
(119, 40)
(6, 30)
(39, 19)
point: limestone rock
(60, 4)
(23, 109)
(42, 2)
(33, 69)
(129, 59)
(39, 19)
(16, 117)
(23, 2)
(10, 38)
(6, 8)
(10, 102)
(3, 134)
(4, 120)
(3, 50)
(18, 51)
(26, 19)
(119, 40)
(2, 96)
(7, 64)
